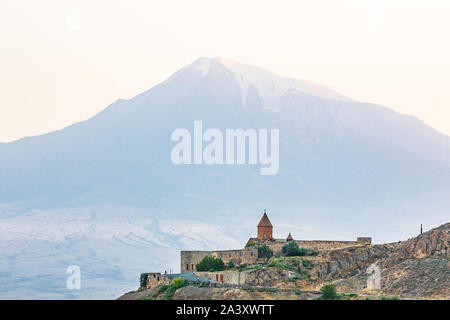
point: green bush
(307, 264)
(291, 249)
(264, 252)
(178, 282)
(211, 264)
(246, 267)
(163, 288)
(243, 266)
(276, 264)
(166, 291)
(328, 292)
(169, 293)
(230, 265)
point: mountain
(106, 187)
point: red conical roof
(265, 222)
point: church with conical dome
(265, 228)
(264, 236)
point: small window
(264, 235)
(192, 267)
(187, 267)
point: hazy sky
(64, 61)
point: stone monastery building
(249, 254)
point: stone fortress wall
(277, 244)
(249, 254)
(230, 277)
(154, 279)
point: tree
(328, 292)
(264, 252)
(291, 249)
(209, 263)
(230, 265)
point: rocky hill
(415, 268)
(418, 267)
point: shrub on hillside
(243, 266)
(167, 291)
(264, 252)
(178, 282)
(307, 264)
(291, 249)
(210, 263)
(328, 292)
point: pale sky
(63, 61)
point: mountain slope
(322, 140)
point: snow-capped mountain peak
(270, 87)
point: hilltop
(416, 268)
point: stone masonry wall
(244, 256)
(276, 245)
(229, 277)
(155, 279)
(249, 255)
